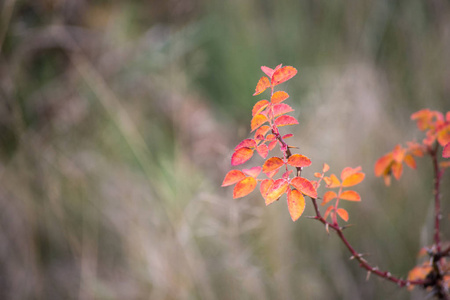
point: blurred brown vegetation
(118, 119)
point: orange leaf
(265, 186)
(446, 151)
(332, 181)
(298, 160)
(423, 118)
(410, 161)
(397, 170)
(253, 172)
(398, 153)
(304, 186)
(261, 132)
(241, 155)
(281, 109)
(272, 164)
(232, 177)
(244, 187)
(350, 196)
(382, 164)
(443, 135)
(343, 214)
(353, 179)
(275, 191)
(296, 204)
(283, 74)
(285, 120)
(318, 175)
(327, 212)
(325, 168)
(278, 97)
(258, 120)
(262, 85)
(249, 143)
(263, 150)
(346, 172)
(259, 107)
(328, 196)
(286, 136)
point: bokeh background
(118, 120)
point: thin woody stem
(436, 192)
(359, 257)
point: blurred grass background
(118, 119)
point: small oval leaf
(296, 204)
(232, 177)
(285, 120)
(259, 107)
(263, 150)
(350, 196)
(283, 74)
(343, 214)
(249, 143)
(262, 85)
(253, 172)
(258, 120)
(328, 196)
(244, 187)
(277, 189)
(241, 155)
(353, 179)
(279, 97)
(272, 164)
(304, 186)
(299, 161)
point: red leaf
(232, 177)
(283, 74)
(328, 196)
(272, 145)
(244, 187)
(343, 214)
(281, 109)
(279, 96)
(304, 186)
(262, 85)
(258, 120)
(259, 107)
(353, 179)
(446, 151)
(261, 132)
(296, 204)
(285, 120)
(286, 136)
(268, 71)
(241, 155)
(350, 196)
(272, 164)
(276, 190)
(249, 143)
(253, 172)
(299, 161)
(263, 150)
(265, 186)
(383, 164)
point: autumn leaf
(382, 164)
(397, 170)
(410, 161)
(285, 120)
(332, 181)
(261, 132)
(296, 204)
(286, 136)
(304, 186)
(353, 179)
(281, 109)
(299, 161)
(241, 155)
(249, 143)
(271, 165)
(327, 211)
(253, 172)
(325, 168)
(262, 85)
(258, 120)
(350, 196)
(263, 150)
(279, 96)
(446, 151)
(244, 187)
(275, 191)
(232, 177)
(343, 214)
(328, 196)
(259, 107)
(283, 74)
